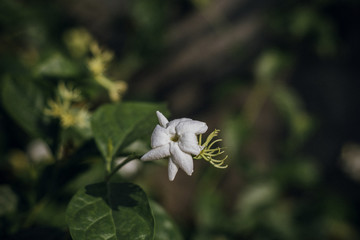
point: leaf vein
(85, 206)
(87, 228)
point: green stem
(108, 165)
(127, 160)
(105, 82)
(108, 158)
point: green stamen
(208, 153)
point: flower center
(175, 138)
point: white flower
(39, 151)
(176, 140)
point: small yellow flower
(101, 58)
(118, 89)
(55, 109)
(64, 109)
(208, 153)
(68, 119)
(105, 55)
(96, 66)
(83, 118)
(95, 49)
(69, 94)
(77, 41)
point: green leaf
(299, 121)
(57, 66)
(117, 125)
(165, 227)
(24, 102)
(110, 211)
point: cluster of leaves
(55, 195)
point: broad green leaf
(117, 125)
(24, 102)
(111, 211)
(165, 227)
(57, 66)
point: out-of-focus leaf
(209, 211)
(110, 211)
(271, 64)
(279, 220)
(235, 134)
(150, 19)
(298, 120)
(24, 102)
(253, 201)
(327, 37)
(52, 214)
(302, 21)
(8, 200)
(165, 227)
(19, 163)
(257, 196)
(57, 66)
(306, 21)
(117, 125)
(299, 173)
(339, 229)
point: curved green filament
(208, 153)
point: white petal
(172, 124)
(162, 119)
(159, 137)
(157, 153)
(172, 169)
(188, 143)
(191, 126)
(181, 159)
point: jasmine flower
(177, 141)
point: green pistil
(175, 138)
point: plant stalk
(127, 160)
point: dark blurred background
(279, 78)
